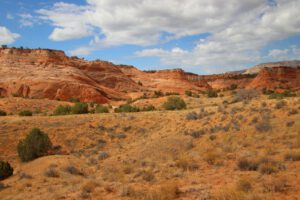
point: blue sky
(200, 36)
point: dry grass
(160, 158)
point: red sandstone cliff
(277, 78)
(51, 74)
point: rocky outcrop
(256, 69)
(43, 73)
(277, 78)
(170, 80)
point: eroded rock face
(173, 80)
(256, 69)
(51, 74)
(277, 78)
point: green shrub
(62, 110)
(3, 113)
(188, 93)
(127, 108)
(174, 103)
(5, 170)
(80, 108)
(25, 113)
(36, 144)
(148, 108)
(277, 95)
(74, 100)
(101, 109)
(212, 94)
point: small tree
(174, 103)
(80, 108)
(36, 144)
(5, 170)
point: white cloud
(238, 29)
(278, 53)
(7, 37)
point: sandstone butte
(45, 73)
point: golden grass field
(158, 155)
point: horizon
(197, 36)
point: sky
(200, 36)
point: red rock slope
(173, 80)
(277, 78)
(51, 74)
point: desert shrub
(25, 113)
(290, 123)
(158, 94)
(292, 156)
(3, 113)
(5, 170)
(51, 171)
(264, 125)
(192, 116)
(188, 93)
(212, 93)
(292, 112)
(74, 100)
(148, 108)
(101, 109)
(280, 104)
(197, 134)
(233, 87)
(73, 170)
(174, 103)
(36, 144)
(126, 108)
(246, 164)
(103, 155)
(62, 110)
(140, 83)
(243, 94)
(244, 185)
(267, 166)
(147, 176)
(80, 108)
(277, 95)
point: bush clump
(212, 94)
(188, 93)
(127, 108)
(3, 113)
(101, 109)
(25, 113)
(80, 108)
(74, 100)
(174, 103)
(148, 108)
(5, 170)
(36, 144)
(62, 110)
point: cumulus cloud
(7, 37)
(238, 29)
